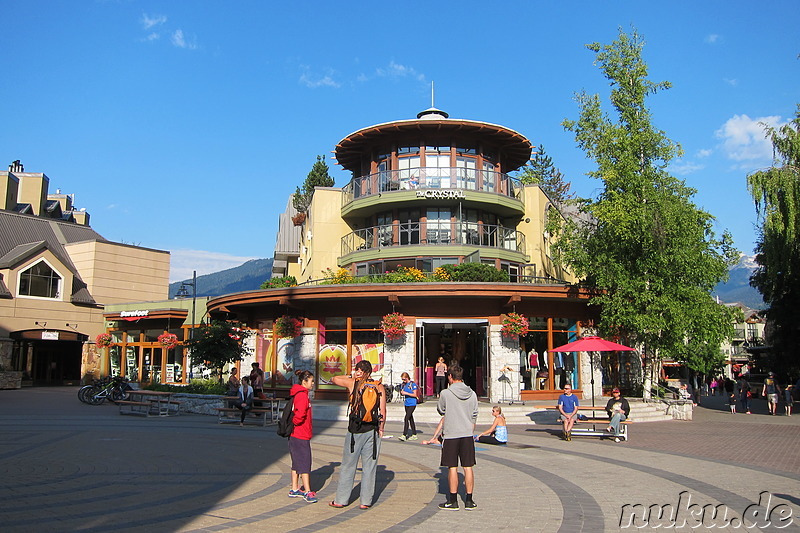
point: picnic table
(149, 403)
(267, 413)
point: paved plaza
(66, 466)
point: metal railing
(451, 178)
(412, 233)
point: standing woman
(300, 440)
(233, 385)
(441, 375)
(409, 393)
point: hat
(772, 374)
(614, 390)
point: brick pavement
(66, 466)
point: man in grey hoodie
(458, 404)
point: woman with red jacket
(300, 441)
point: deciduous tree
(646, 248)
(776, 193)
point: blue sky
(184, 126)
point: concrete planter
(10, 379)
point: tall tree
(543, 172)
(318, 177)
(776, 193)
(649, 252)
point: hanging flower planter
(298, 219)
(104, 340)
(168, 340)
(393, 326)
(514, 325)
(288, 327)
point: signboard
(441, 193)
(49, 335)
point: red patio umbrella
(593, 344)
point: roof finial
(432, 93)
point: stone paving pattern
(66, 466)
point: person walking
(789, 397)
(771, 391)
(440, 371)
(498, 433)
(744, 393)
(300, 439)
(363, 440)
(458, 404)
(244, 401)
(409, 393)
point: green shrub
(284, 281)
(476, 272)
(197, 386)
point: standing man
(458, 404)
(363, 439)
(568, 407)
(770, 391)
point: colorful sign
(284, 366)
(332, 362)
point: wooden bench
(127, 407)
(224, 414)
(595, 421)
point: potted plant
(298, 219)
(288, 327)
(514, 325)
(393, 326)
(104, 340)
(168, 340)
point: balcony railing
(413, 233)
(409, 179)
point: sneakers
(310, 497)
(402, 438)
(470, 505)
(297, 494)
(450, 506)
(413, 437)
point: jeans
(363, 449)
(615, 420)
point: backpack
(365, 412)
(285, 424)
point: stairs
(516, 413)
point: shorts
(772, 398)
(564, 418)
(300, 450)
(460, 449)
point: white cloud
(180, 41)
(396, 70)
(705, 152)
(733, 82)
(183, 262)
(682, 168)
(712, 38)
(743, 138)
(149, 22)
(313, 80)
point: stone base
(10, 379)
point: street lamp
(183, 293)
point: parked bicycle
(109, 388)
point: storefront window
(132, 363)
(115, 360)
(542, 369)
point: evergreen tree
(318, 177)
(776, 193)
(542, 171)
(649, 252)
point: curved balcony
(467, 234)
(448, 183)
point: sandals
(362, 506)
(336, 505)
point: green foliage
(542, 172)
(475, 272)
(275, 283)
(340, 277)
(776, 193)
(404, 275)
(196, 386)
(650, 252)
(318, 177)
(218, 344)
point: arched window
(41, 281)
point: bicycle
(113, 389)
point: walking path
(66, 466)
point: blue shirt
(570, 402)
(410, 387)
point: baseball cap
(614, 390)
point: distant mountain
(737, 288)
(246, 277)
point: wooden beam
(395, 300)
(513, 299)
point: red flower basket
(104, 340)
(168, 340)
(393, 326)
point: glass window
(384, 233)
(437, 167)
(406, 150)
(466, 172)
(438, 225)
(489, 177)
(466, 151)
(41, 281)
(408, 172)
(409, 226)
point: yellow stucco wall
(325, 227)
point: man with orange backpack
(367, 416)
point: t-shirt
(410, 387)
(769, 383)
(570, 402)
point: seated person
(618, 410)
(498, 433)
(568, 407)
(244, 402)
(437, 435)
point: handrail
(449, 233)
(457, 178)
(378, 278)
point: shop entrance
(461, 341)
(56, 363)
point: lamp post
(183, 293)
